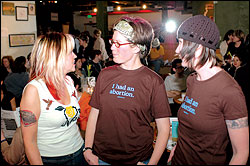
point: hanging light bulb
(144, 6)
(118, 8)
(95, 10)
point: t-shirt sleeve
(234, 103)
(95, 98)
(167, 83)
(159, 105)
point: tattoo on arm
(27, 117)
(237, 123)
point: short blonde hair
(48, 58)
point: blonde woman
(49, 107)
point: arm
(30, 112)
(239, 135)
(14, 153)
(173, 94)
(89, 138)
(161, 141)
(13, 104)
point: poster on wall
(54, 16)
(32, 9)
(8, 8)
(21, 13)
(17, 40)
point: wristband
(86, 148)
(3, 140)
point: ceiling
(88, 5)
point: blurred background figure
(99, 44)
(228, 38)
(16, 81)
(6, 66)
(175, 84)
(156, 55)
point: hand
(140, 163)
(171, 154)
(2, 135)
(90, 157)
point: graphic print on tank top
(71, 112)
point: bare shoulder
(237, 123)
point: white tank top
(58, 133)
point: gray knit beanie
(201, 30)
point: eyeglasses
(117, 44)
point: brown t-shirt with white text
(202, 131)
(128, 100)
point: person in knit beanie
(213, 113)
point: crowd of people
(128, 96)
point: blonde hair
(48, 59)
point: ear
(136, 49)
(174, 70)
(198, 51)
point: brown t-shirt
(127, 100)
(203, 135)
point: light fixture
(144, 6)
(170, 26)
(118, 8)
(55, 1)
(95, 10)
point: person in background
(49, 107)
(110, 61)
(16, 81)
(156, 55)
(214, 110)
(95, 63)
(13, 153)
(126, 98)
(84, 40)
(242, 77)
(99, 44)
(227, 63)
(228, 38)
(237, 46)
(175, 84)
(91, 40)
(28, 62)
(6, 66)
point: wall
(9, 25)
(232, 15)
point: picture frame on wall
(17, 40)
(32, 9)
(21, 13)
(8, 8)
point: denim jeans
(157, 65)
(76, 158)
(104, 163)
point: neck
(133, 64)
(205, 72)
(96, 60)
(237, 44)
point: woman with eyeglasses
(126, 98)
